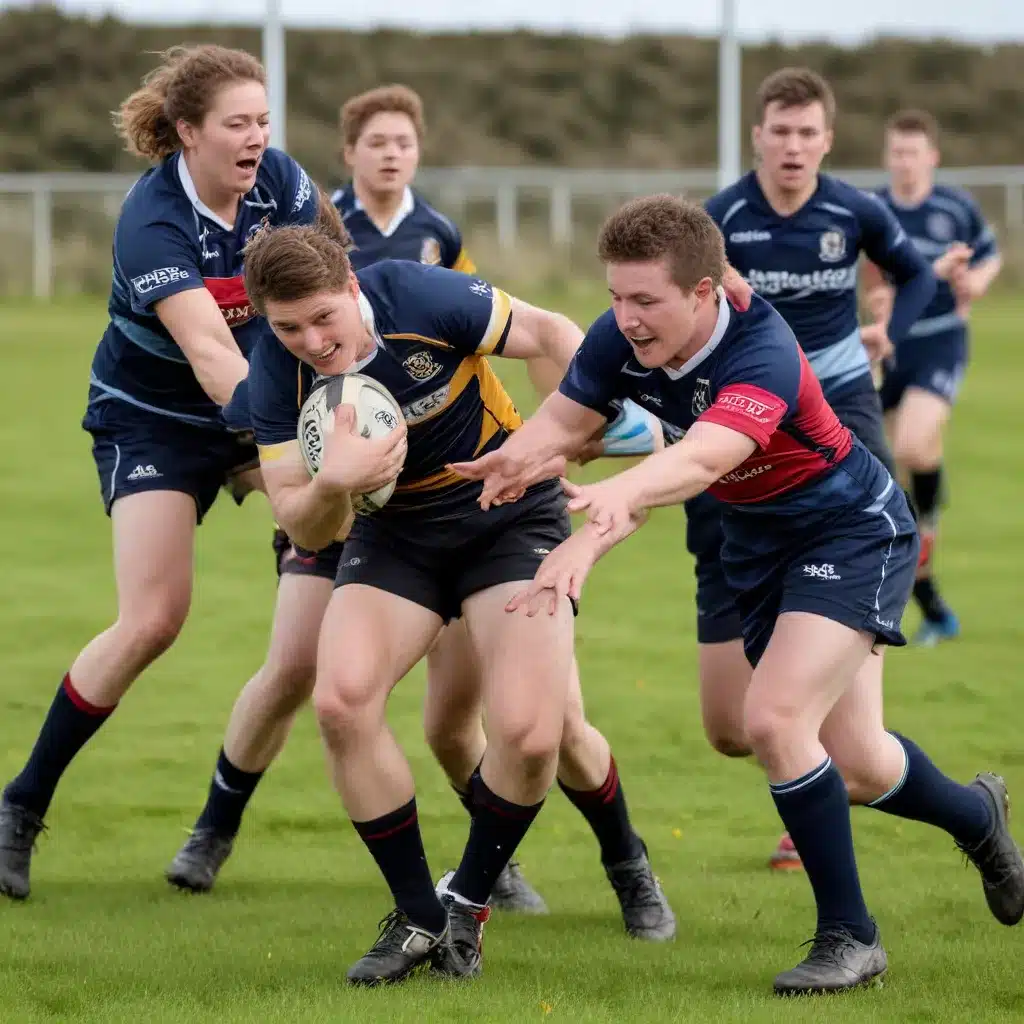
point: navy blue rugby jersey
(751, 376)
(805, 265)
(417, 233)
(433, 328)
(947, 215)
(167, 241)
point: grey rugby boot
(512, 893)
(997, 856)
(645, 909)
(19, 829)
(196, 864)
(837, 962)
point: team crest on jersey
(701, 396)
(430, 251)
(941, 226)
(832, 246)
(421, 365)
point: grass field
(104, 939)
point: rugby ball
(377, 414)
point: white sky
(993, 20)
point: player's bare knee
(726, 741)
(529, 741)
(152, 627)
(347, 705)
(773, 730)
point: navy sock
(815, 809)
(230, 790)
(606, 813)
(497, 828)
(70, 723)
(927, 491)
(465, 798)
(395, 842)
(925, 794)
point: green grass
(104, 939)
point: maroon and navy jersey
(751, 376)
(168, 241)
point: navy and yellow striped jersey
(417, 233)
(433, 329)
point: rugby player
(820, 549)
(796, 235)
(174, 349)
(923, 375)
(429, 556)
(382, 129)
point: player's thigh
(920, 419)
(808, 664)
(453, 703)
(302, 600)
(154, 539)
(724, 680)
(525, 665)
(369, 640)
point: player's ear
(705, 286)
(829, 136)
(755, 139)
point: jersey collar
(370, 323)
(193, 196)
(405, 207)
(721, 326)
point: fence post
(1015, 208)
(42, 242)
(561, 216)
(507, 202)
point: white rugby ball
(377, 414)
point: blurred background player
(922, 376)
(180, 330)
(796, 235)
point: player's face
(227, 147)
(386, 154)
(325, 330)
(656, 316)
(910, 159)
(791, 142)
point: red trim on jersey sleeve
(230, 295)
(748, 409)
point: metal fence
(27, 202)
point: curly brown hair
(182, 88)
(387, 99)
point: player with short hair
(796, 235)
(820, 548)
(428, 556)
(923, 374)
(390, 120)
(176, 345)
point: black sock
(497, 828)
(927, 491)
(929, 600)
(815, 809)
(925, 794)
(395, 842)
(465, 798)
(230, 790)
(70, 723)
(606, 813)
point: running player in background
(180, 330)
(923, 374)
(820, 549)
(796, 235)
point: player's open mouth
(643, 342)
(248, 164)
(325, 357)
(792, 168)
